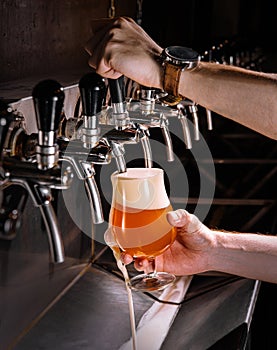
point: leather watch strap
(171, 84)
(171, 79)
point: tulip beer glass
(138, 221)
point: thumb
(182, 218)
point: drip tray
(94, 314)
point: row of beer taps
(106, 122)
(64, 147)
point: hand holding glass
(138, 221)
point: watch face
(180, 54)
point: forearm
(249, 255)
(247, 97)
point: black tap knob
(93, 93)
(119, 106)
(48, 98)
(117, 90)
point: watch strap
(171, 80)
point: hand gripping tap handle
(48, 98)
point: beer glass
(138, 221)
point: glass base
(152, 281)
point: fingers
(140, 264)
(126, 258)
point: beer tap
(88, 149)
(92, 89)
(149, 107)
(19, 161)
(48, 99)
(157, 116)
(125, 131)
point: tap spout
(182, 116)
(85, 171)
(42, 198)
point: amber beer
(138, 212)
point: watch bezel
(181, 56)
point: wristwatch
(176, 59)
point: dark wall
(199, 24)
(38, 36)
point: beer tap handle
(42, 198)
(118, 101)
(117, 92)
(92, 89)
(48, 98)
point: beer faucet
(48, 99)
(126, 131)
(88, 148)
(182, 116)
(193, 110)
(34, 164)
(154, 112)
(155, 117)
(92, 89)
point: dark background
(40, 39)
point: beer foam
(140, 188)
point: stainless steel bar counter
(94, 313)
